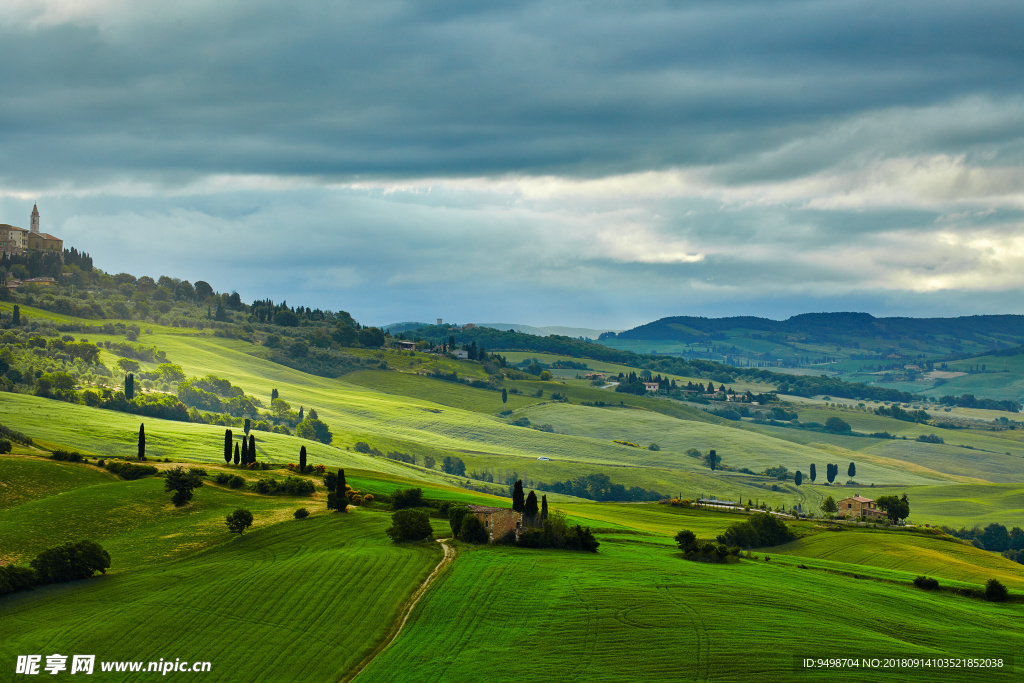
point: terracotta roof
(48, 236)
(861, 499)
(12, 227)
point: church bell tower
(35, 219)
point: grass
(636, 612)
(912, 553)
(302, 600)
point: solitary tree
(814, 473)
(410, 525)
(530, 506)
(829, 507)
(504, 396)
(248, 425)
(182, 482)
(228, 438)
(712, 459)
(831, 471)
(851, 471)
(798, 478)
(239, 520)
(894, 508)
(302, 459)
(129, 386)
(238, 455)
(517, 496)
(543, 508)
(142, 441)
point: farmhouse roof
(484, 508)
(861, 499)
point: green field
(307, 600)
(637, 612)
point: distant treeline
(599, 487)
(719, 372)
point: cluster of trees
(969, 401)
(67, 562)
(994, 537)
(556, 532)
(895, 412)
(895, 508)
(599, 487)
(410, 525)
(705, 551)
(761, 529)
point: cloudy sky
(599, 164)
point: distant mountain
(825, 325)
(574, 332)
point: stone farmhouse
(15, 240)
(859, 506)
(497, 521)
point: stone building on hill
(497, 521)
(859, 506)
(15, 240)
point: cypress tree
(302, 459)
(16, 316)
(341, 480)
(238, 455)
(228, 438)
(517, 496)
(543, 507)
(852, 470)
(301, 411)
(252, 448)
(129, 386)
(530, 506)
(814, 473)
(273, 394)
(504, 396)
(142, 441)
(248, 425)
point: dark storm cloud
(396, 89)
(592, 163)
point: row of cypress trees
(528, 505)
(242, 456)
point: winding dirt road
(399, 624)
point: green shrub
(59, 454)
(301, 513)
(409, 525)
(926, 583)
(129, 471)
(407, 498)
(70, 562)
(236, 482)
(222, 478)
(995, 591)
(472, 530)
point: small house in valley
(497, 521)
(859, 506)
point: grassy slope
(300, 601)
(636, 612)
(21, 481)
(911, 553)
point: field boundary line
(399, 624)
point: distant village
(15, 241)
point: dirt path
(396, 628)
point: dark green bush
(410, 525)
(127, 470)
(995, 591)
(65, 456)
(926, 583)
(407, 498)
(472, 530)
(70, 562)
(301, 513)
